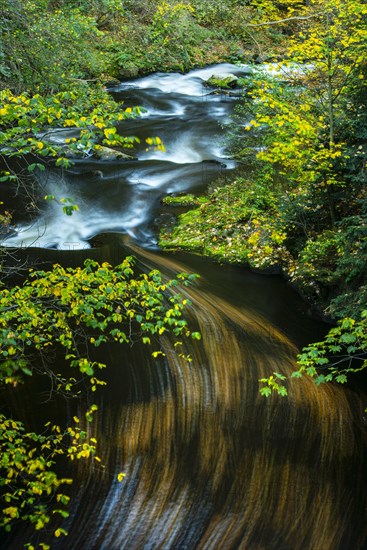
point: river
(209, 463)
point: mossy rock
(110, 81)
(105, 153)
(183, 200)
(222, 81)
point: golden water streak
(211, 464)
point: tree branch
(294, 18)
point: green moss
(221, 226)
(225, 82)
(184, 200)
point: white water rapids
(123, 196)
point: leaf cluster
(28, 123)
(30, 490)
(75, 308)
(342, 352)
(70, 311)
(30, 128)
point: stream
(210, 464)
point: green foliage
(169, 21)
(30, 489)
(303, 211)
(342, 352)
(303, 129)
(52, 307)
(303, 109)
(308, 166)
(28, 125)
(101, 38)
(68, 311)
(233, 21)
(183, 200)
(232, 225)
(294, 136)
(33, 37)
(173, 39)
(27, 122)
(212, 13)
(318, 259)
(273, 383)
(336, 264)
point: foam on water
(192, 83)
(123, 197)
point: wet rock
(165, 222)
(106, 153)
(6, 232)
(222, 80)
(129, 72)
(111, 81)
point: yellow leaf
(12, 511)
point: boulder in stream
(222, 80)
(106, 153)
(110, 81)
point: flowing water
(209, 463)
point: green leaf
(63, 162)
(265, 391)
(32, 167)
(322, 361)
(348, 338)
(296, 374)
(27, 371)
(335, 349)
(320, 379)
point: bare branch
(294, 18)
